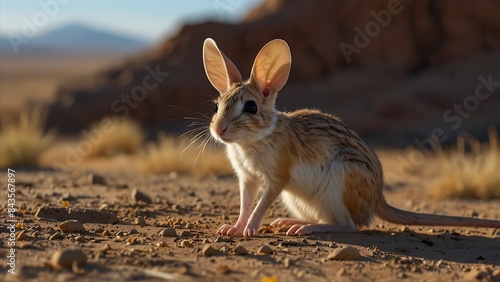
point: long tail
(398, 216)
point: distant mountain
(76, 38)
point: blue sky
(151, 19)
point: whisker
(192, 111)
(191, 131)
(194, 139)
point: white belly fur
(315, 195)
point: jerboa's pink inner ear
(219, 69)
(272, 66)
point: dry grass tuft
(113, 136)
(169, 154)
(23, 141)
(473, 173)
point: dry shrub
(172, 154)
(113, 135)
(464, 173)
(23, 141)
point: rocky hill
(391, 69)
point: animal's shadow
(450, 247)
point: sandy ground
(196, 207)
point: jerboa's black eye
(251, 107)
(216, 108)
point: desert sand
(120, 249)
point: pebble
(185, 233)
(264, 250)
(186, 244)
(168, 232)
(64, 258)
(81, 239)
(138, 196)
(133, 231)
(287, 263)
(95, 179)
(344, 253)
(99, 230)
(222, 269)
(56, 236)
(24, 245)
(132, 241)
(341, 272)
(140, 220)
(496, 275)
(189, 225)
(208, 250)
(405, 229)
(21, 235)
(475, 275)
(240, 250)
(162, 244)
(71, 225)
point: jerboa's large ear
(219, 69)
(271, 67)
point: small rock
(185, 233)
(132, 241)
(206, 241)
(240, 250)
(405, 229)
(99, 230)
(81, 239)
(162, 244)
(287, 263)
(138, 196)
(208, 250)
(140, 221)
(264, 250)
(24, 245)
(133, 231)
(401, 275)
(186, 244)
(168, 232)
(475, 275)
(104, 249)
(21, 235)
(446, 235)
(64, 258)
(189, 225)
(472, 213)
(222, 269)
(341, 272)
(95, 179)
(344, 253)
(71, 225)
(496, 275)
(56, 236)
